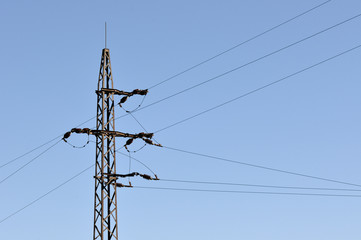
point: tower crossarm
(88, 131)
(123, 93)
(133, 174)
(121, 134)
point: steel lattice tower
(105, 201)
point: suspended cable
(27, 163)
(260, 186)
(46, 143)
(135, 109)
(249, 185)
(175, 189)
(240, 44)
(83, 146)
(251, 62)
(260, 88)
(252, 38)
(263, 167)
(139, 162)
(258, 166)
(34, 149)
(250, 192)
(135, 151)
(44, 195)
(141, 125)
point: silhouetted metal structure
(105, 200)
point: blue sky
(309, 123)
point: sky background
(310, 123)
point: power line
(251, 62)
(178, 189)
(245, 184)
(13, 160)
(36, 148)
(209, 79)
(44, 195)
(263, 167)
(259, 185)
(257, 166)
(138, 162)
(250, 192)
(297, 16)
(240, 44)
(254, 165)
(27, 163)
(141, 125)
(259, 89)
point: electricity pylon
(105, 199)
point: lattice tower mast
(105, 201)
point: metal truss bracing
(105, 201)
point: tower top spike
(105, 34)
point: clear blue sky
(310, 123)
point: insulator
(122, 185)
(148, 141)
(76, 130)
(148, 135)
(143, 92)
(66, 135)
(132, 174)
(146, 176)
(86, 130)
(129, 141)
(124, 99)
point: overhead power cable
(249, 164)
(250, 192)
(138, 162)
(251, 62)
(34, 149)
(260, 88)
(27, 163)
(141, 125)
(184, 71)
(240, 44)
(44, 195)
(175, 189)
(259, 185)
(42, 145)
(257, 166)
(263, 167)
